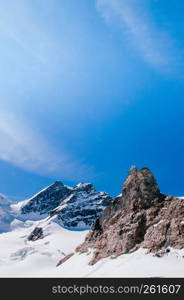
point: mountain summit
(140, 217)
(77, 206)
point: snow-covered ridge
(72, 207)
(17, 207)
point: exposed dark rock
(47, 199)
(140, 217)
(36, 234)
(162, 252)
(73, 207)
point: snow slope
(137, 264)
(22, 258)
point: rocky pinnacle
(141, 216)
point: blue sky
(89, 88)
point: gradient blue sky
(89, 88)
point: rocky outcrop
(62, 261)
(36, 234)
(140, 217)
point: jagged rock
(139, 217)
(36, 234)
(46, 200)
(162, 252)
(72, 207)
(82, 206)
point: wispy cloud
(22, 146)
(20, 22)
(152, 42)
(32, 56)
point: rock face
(36, 234)
(140, 217)
(81, 207)
(47, 199)
(70, 207)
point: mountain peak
(140, 184)
(46, 200)
(69, 206)
(139, 217)
(58, 183)
(84, 186)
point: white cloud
(153, 44)
(25, 148)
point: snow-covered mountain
(139, 233)
(71, 207)
(83, 205)
(6, 215)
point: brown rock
(64, 259)
(140, 217)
